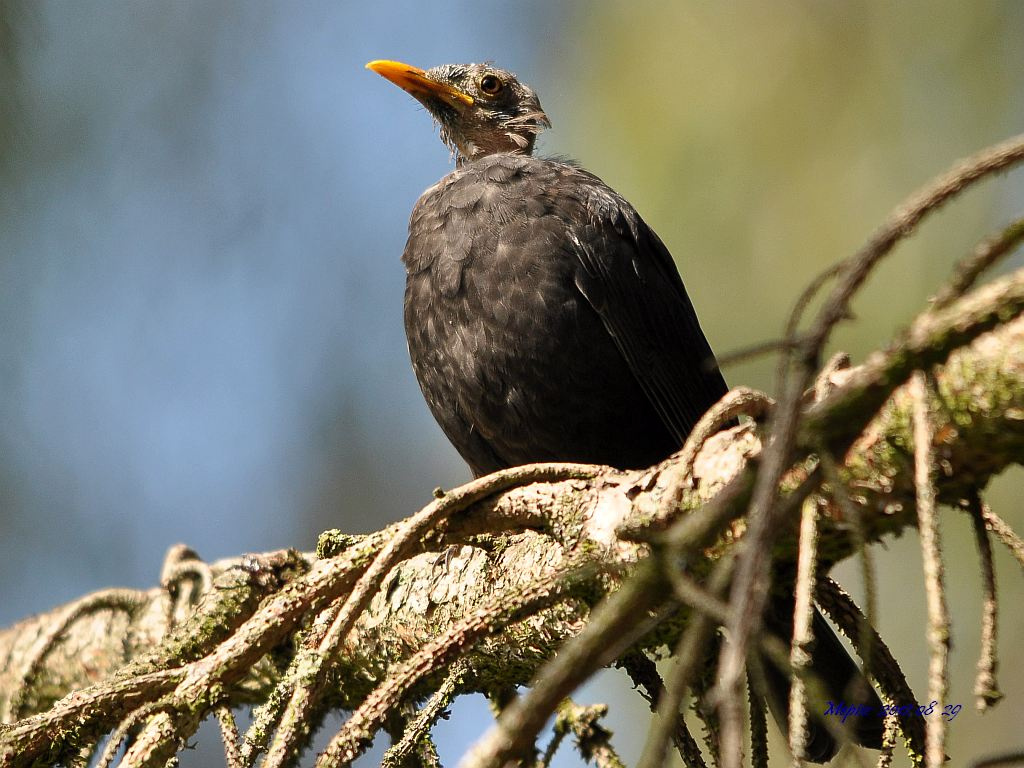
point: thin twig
(852, 514)
(904, 220)
(776, 651)
(889, 729)
(703, 683)
(267, 715)
(984, 255)
(124, 600)
(592, 739)
(229, 737)
(425, 719)
(738, 401)
(504, 608)
(748, 594)
(32, 736)
(803, 634)
(790, 340)
(986, 689)
(422, 753)
(1005, 534)
(695, 596)
(619, 621)
(687, 655)
(840, 418)
(758, 724)
(931, 551)
(823, 383)
(644, 674)
(293, 730)
(158, 742)
(843, 611)
(553, 746)
(121, 734)
(182, 565)
(727, 695)
(744, 354)
(1000, 761)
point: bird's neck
(469, 151)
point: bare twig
(889, 730)
(904, 220)
(266, 716)
(803, 634)
(791, 339)
(503, 609)
(842, 610)
(186, 578)
(842, 415)
(229, 737)
(1000, 761)
(743, 354)
(823, 383)
(777, 652)
(758, 724)
(158, 741)
(644, 674)
(121, 734)
(986, 689)
(931, 549)
(1004, 533)
(738, 401)
(293, 730)
(984, 255)
(30, 736)
(748, 593)
(703, 683)
(126, 600)
(429, 714)
(592, 739)
(615, 624)
(853, 516)
(687, 656)
(553, 746)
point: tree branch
(164, 661)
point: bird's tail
(843, 681)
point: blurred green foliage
(764, 141)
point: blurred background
(203, 205)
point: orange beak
(415, 81)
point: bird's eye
(491, 85)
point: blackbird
(546, 321)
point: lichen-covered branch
(224, 634)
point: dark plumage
(546, 321)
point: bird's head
(482, 110)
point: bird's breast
(490, 288)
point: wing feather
(629, 278)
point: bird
(545, 320)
